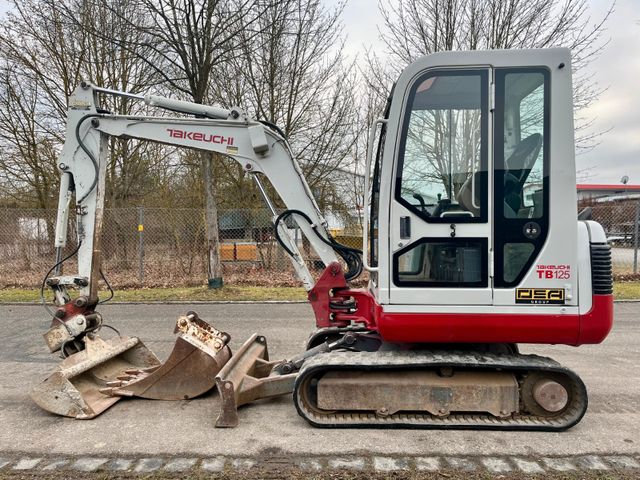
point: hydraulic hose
(89, 154)
(351, 256)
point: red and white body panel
(551, 300)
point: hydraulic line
(44, 280)
(89, 154)
(351, 256)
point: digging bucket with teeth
(86, 383)
(198, 355)
(73, 390)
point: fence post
(141, 244)
(635, 238)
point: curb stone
(491, 464)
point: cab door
(440, 209)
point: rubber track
(387, 360)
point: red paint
(331, 291)
(597, 323)
(320, 295)
(601, 186)
(592, 327)
(71, 310)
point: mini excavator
(471, 239)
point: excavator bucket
(90, 381)
(198, 355)
(73, 390)
(249, 376)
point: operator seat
(517, 169)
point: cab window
(521, 151)
(442, 167)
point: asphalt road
(136, 426)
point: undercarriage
(439, 389)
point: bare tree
(44, 57)
(291, 72)
(413, 28)
(185, 41)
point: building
(610, 192)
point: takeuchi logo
(200, 137)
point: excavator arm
(258, 148)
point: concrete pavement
(137, 427)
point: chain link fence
(620, 220)
(159, 247)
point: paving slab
(180, 464)
(27, 463)
(120, 464)
(430, 464)
(389, 464)
(496, 465)
(347, 463)
(146, 465)
(622, 461)
(528, 466)
(55, 464)
(213, 464)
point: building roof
(608, 187)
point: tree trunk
(214, 265)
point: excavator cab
(473, 202)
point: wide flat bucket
(73, 390)
(190, 370)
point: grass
(621, 290)
(228, 293)
(626, 290)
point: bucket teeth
(73, 390)
(199, 353)
(88, 382)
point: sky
(616, 113)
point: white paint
(388, 464)
(528, 466)
(496, 465)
